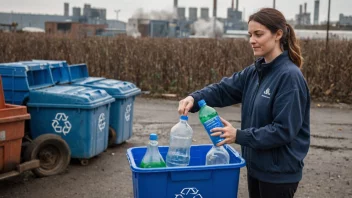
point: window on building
(64, 27)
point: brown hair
(274, 20)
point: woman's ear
(279, 35)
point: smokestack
(175, 4)
(214, 8)
(66, 9)
(237, 1)
(233, 4)
(305, 8)
(316, 12)
(300, 9)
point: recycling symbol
(61, 124)
(127, 112)
(101, 122)
(189, 193)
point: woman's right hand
(185, 105)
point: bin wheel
(53, 153)
(112, 137)
(84, 162)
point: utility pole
(117, 14)
(214, 15)
(274, 4)
(328, 26)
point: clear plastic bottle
(217, 155)
(180, 144)
(152, 158)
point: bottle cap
(153, 136)
(202, 103)
(183, 117)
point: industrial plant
(92, 21)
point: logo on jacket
(266, 93)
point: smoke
(132, 25)
(206, 28)
(154, 15)
(132, 28)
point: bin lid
(69, 97)
(37, 75)
(78, 72)
(116, 88)
(26, 65)
(63, 77)
(60, 62)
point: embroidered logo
(266, 93)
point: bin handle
(15, 118)
(190, 176)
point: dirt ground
(327, 172)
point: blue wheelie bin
(121, 112)
(80, 115)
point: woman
(275, 134)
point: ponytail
(274, 20)
(291, 44)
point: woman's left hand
(228, 132)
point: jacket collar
(261, 65)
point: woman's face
(261, 39)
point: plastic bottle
(180, 144)
(152, 158)
(210, 119)
(217, 155)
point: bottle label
(213, 123)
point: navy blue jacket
(275, 134)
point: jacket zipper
(248, 151)
(255, 94)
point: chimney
(214, 8)
(305, 8)
(66, 9)
(300, 9)
(233, 4)
(316, 12)
(175, 3)
(237, 1)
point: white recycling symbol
(61, 117)
(189, 192)
(127, 112)
(101, 122)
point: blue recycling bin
(196, 180)
(80, 115)
(121, 112)
(19, 79)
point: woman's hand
(185, 105)
(228, 132)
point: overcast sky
(128, 7)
